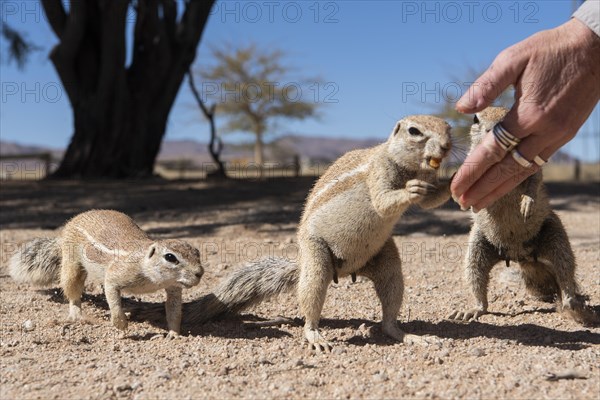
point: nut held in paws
(435, 162)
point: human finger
(519, 121)
(503, 189)
(486, 154)
(507, 171)
(504, 71)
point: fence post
(577, 170)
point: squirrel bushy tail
(37, 262)
(247, 286)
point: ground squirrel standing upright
(521, 227)
(108, 246)
(346, 229)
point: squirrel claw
(466, 316)
(172, 335)
(526, 206)
(317, 342)
(418, 189)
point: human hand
(556, 74)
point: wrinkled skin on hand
(556, 74)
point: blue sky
(378, 61)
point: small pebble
(380, 377)
(163, 375)
(477, 352)
(124, 387)
(28, 326)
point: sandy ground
(507, 354)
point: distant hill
(12, 148)
(311, 149)
(319, 149)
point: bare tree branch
(215, 145)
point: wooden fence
(15, 166)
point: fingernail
(461, 202)
(458, 202)
(475, 209)
(464, 105)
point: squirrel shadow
(229, 326)
(248, 326)
(525, 334)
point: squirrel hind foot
(392, 330)
(468, 315)
(539, 282)
(316, 341)
(580, 312)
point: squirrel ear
(396, 128)
(151, 251)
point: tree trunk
(120, 112)
(259, 153)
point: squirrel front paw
(119, 320)
(418, 189)
(527, 204)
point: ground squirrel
(107, 246)
(346, 229)
(521, 227)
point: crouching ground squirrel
(346, 229)
(521, 227)
(107, 246)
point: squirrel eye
(475, 119)
(414, 131)
(171, 258)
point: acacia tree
(120, 111)
(253, 90)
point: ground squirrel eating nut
(346, 229)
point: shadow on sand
(247, 326)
